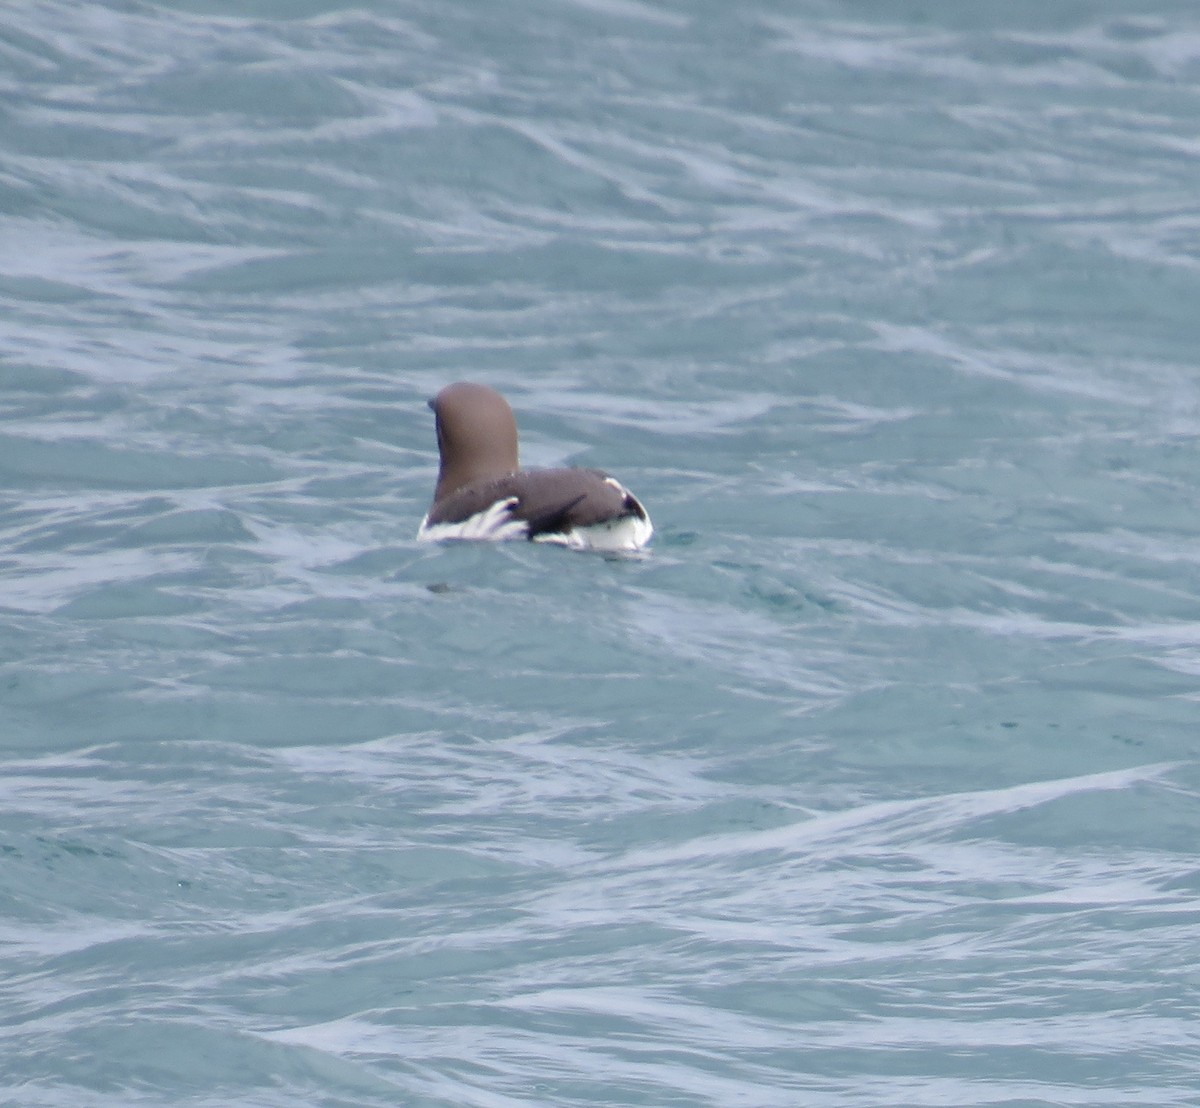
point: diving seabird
(482, 494)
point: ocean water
(875, 782)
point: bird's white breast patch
(494, 524)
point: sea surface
(875, 782)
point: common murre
(483, 494)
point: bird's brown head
(477, 436)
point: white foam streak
(883, 823)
